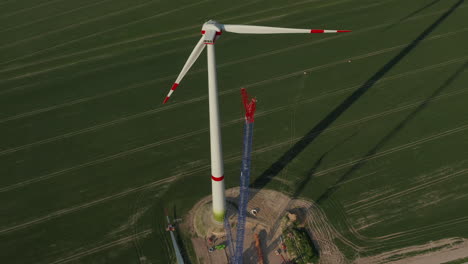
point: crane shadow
(391, 134)
(318, 129)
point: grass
(86, 141)
(458, 261)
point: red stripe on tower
(317, 31)
(217, 178)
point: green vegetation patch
(457, 261)
(300, 246)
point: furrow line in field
(29, 8)
(6, 2)
(90, 251)
(425, 229)
(102, 95)
(129, 191)
(148, 36)
(73, 63)
(392, 150)
(192, 133)
(72, 209)
(95, 162)
(407, 191)
(115, 13)
(53, 16)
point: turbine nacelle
(210, 31)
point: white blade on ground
(247, 29)
(188, 64)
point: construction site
(264, 239)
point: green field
(89, 157)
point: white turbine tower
(211, 30)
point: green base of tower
(219, 216)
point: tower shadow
(391, 134)
(412, 14)
(318, 129)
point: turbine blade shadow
(317, 130)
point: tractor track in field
(72, 209)
(6, 2)
(230, 91)
(28, 8)
(281, 144)
(413, 235)
(53, 16)
(103, 1)
(123, 42)
(154, 111)
(152, 35)
(442, 226)
(323, 233)
(122, 241)
(102, 32)
(74, 25)
(98, 57)
(420, 186)
(401, 184)
(292, 125)
(134, 223)
(380, 242)
(183, 174)
(392, 150)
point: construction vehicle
(259, 249)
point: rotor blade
(190, 61)
(247, 29)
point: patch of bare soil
(435, 252)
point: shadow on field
(392, 133)
(318, 129)
(310, 173)
(412, 14)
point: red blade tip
(165, 100)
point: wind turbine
(211, 30)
